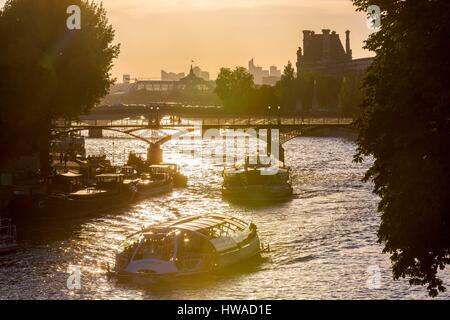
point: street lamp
(157, 116)
(151, 115)
(279, 116)
(269, 108)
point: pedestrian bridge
(289, 127)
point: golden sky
(168, 34)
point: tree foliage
(48, 71)
(327, 90)
(287, 88)
(319, 88)
(405, 126)
(235, 88)
(306, 92)
(351, 95)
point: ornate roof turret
(192, 79)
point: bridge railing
(277, 121)
(229, 121)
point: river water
(323, 241)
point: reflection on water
(322, 242)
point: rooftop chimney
(306, 41)
(326, 44)
(347, 44)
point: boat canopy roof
(108, 178)
(172, 165)
(207, 221)
(160, 169)
(267, 170)
(197, 224)
(160, 166)
(70, 175)
(110, 175)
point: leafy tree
(306, 92)
(328, 88)
(286, 88)
(48, 71)
(235, 88)
(224, 84)
(405, 126)
(319, 87)
(351, 95)
(263, 96)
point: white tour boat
(188, 246)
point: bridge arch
(161, 141)
(107, 129)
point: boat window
(241, 225)
(146, 176)
(156, 248)
(191, 245)
(130, 244)
(159, 173)
(222, 230)
(109, 181)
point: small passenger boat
(111, 190)
(129, 173)
(179, 179)
(8, 236)
(257, 184)
(66, 183)
(156, 181)
(187, 246)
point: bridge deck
(169, 123)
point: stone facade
(324, 53)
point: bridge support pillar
(95, 133)
(154, 154)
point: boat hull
(257, 194)
(180, 181)
(9, 248)
(68, 206)
(150, 190)
(245, 252)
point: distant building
(201, 74)
(324, 53)
(121, 88)
(261, 76)
(275, 72)
(171, 76)
(189, 82)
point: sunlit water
(323, 241)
